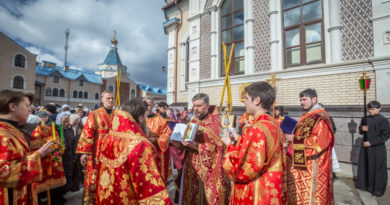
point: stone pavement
(344, 193)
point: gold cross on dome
(273, 80)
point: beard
(309, 108)
(164, 115)
(201, 116)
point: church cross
(273, 80)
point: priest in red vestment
(96, 127)
(309, 166)
(206, 158)
(159, 133)
(255, 163)
(279, 114)
(127, 167)
(19, 168)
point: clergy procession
(270, 141)
(128, 153)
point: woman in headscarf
(69, 155)
(75, 122)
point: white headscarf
(84, 120)
(73, 118)
(33, 119)
(62, 115)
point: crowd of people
(174, 114)
(126, 156)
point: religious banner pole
(273, 81)
(228, 118)
(227, 78)
(364, 83)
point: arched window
(20, 61)
(56, 79)
(81, 83)
(110, 88)
(85, 95)
(232, 25)
(80, 94)
(303, 24)
(62, 92)
(18, 82)
(55, 92)
(74, 94)
(96, 96)
(132, 93)
(48, 92)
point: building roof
(113, 58)
(154, 90)
(68, 74)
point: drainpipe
(176, 47)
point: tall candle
(62, 134)
(53, 129)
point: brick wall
(182, 96)
(340, 89)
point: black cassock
(378, 133)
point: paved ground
(345, 193)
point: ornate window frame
(46, 91)
(301, 26)
(232, 27)
(62, 91)
(85, 95)
(25, 60)
(13, 78)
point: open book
(184, 131)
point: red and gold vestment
(309, 169)
(159, 129)
(127, 169)
(19, 167)
(255, 164)
(96, 128)
(207, 163)
(53, 172)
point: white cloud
(142, 41)
(45, 56)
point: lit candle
(53, 129)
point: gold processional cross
(273, 81)
(228, 118)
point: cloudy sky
(39, 25)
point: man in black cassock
(378, 132)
